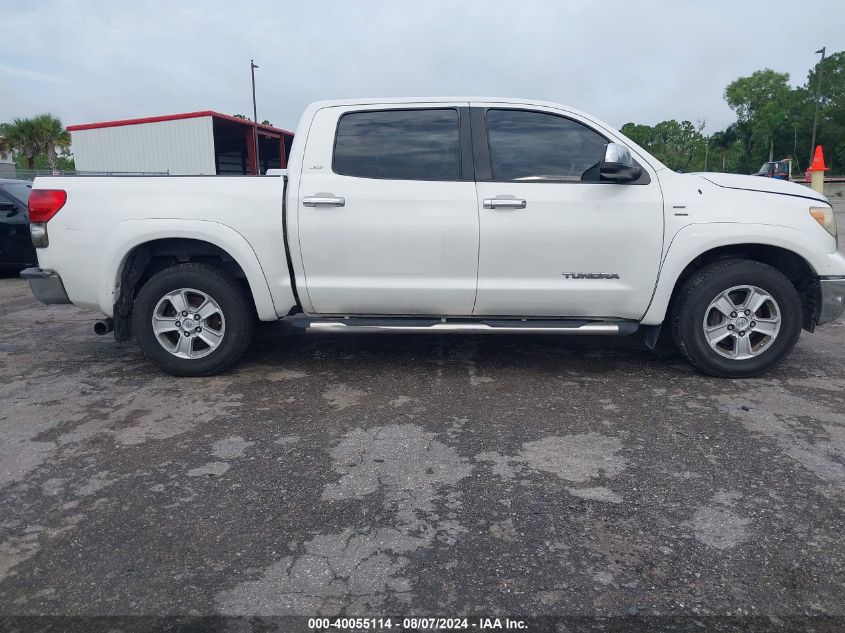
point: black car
(16, 250)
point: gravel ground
(436, 475)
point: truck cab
(431, 223)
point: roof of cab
(420, 100)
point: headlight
(826, 217)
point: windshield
(18, 190)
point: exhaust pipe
(103, 326)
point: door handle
(323, 201)
(504, 203)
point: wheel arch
(137, 252)
(783, 249)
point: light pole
(818, 98)
(252, 68)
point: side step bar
(503, 326)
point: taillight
(45, 203)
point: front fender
(694, 240)
(129, 234)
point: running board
(503, 326)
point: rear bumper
(832, 299)
(46, 285)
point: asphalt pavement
(431, 475)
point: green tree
(53, 137)
(763, 107)
(773, 121)
(831, 130)
(64, 162)
(680, 146)
(42, 135)
(641, 134)
(724, 145)
(22, 138)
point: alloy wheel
(188, 323)
(742, 322)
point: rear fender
(130, 234)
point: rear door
(555, 240)
(387, 212)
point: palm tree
(724, 141)
(22, 138)
(51, 135)
(30, 138)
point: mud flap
(650, 335)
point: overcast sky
(621, 61)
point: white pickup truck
(444, 215)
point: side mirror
(618, 164)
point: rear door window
(421, 144)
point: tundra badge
(591, 275)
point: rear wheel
(193, 320)
(736, 318)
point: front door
(388, 220)
(554, 239)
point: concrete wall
(834, 189)
(180, 147)
(7, 169)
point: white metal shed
(191, 143)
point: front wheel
(193, 320)
(736, 318)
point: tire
(697, 320)
(215, 342)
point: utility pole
(818, 98)
(252, 68)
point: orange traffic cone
(818, 160)
(816, 170)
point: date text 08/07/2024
(423, 623)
